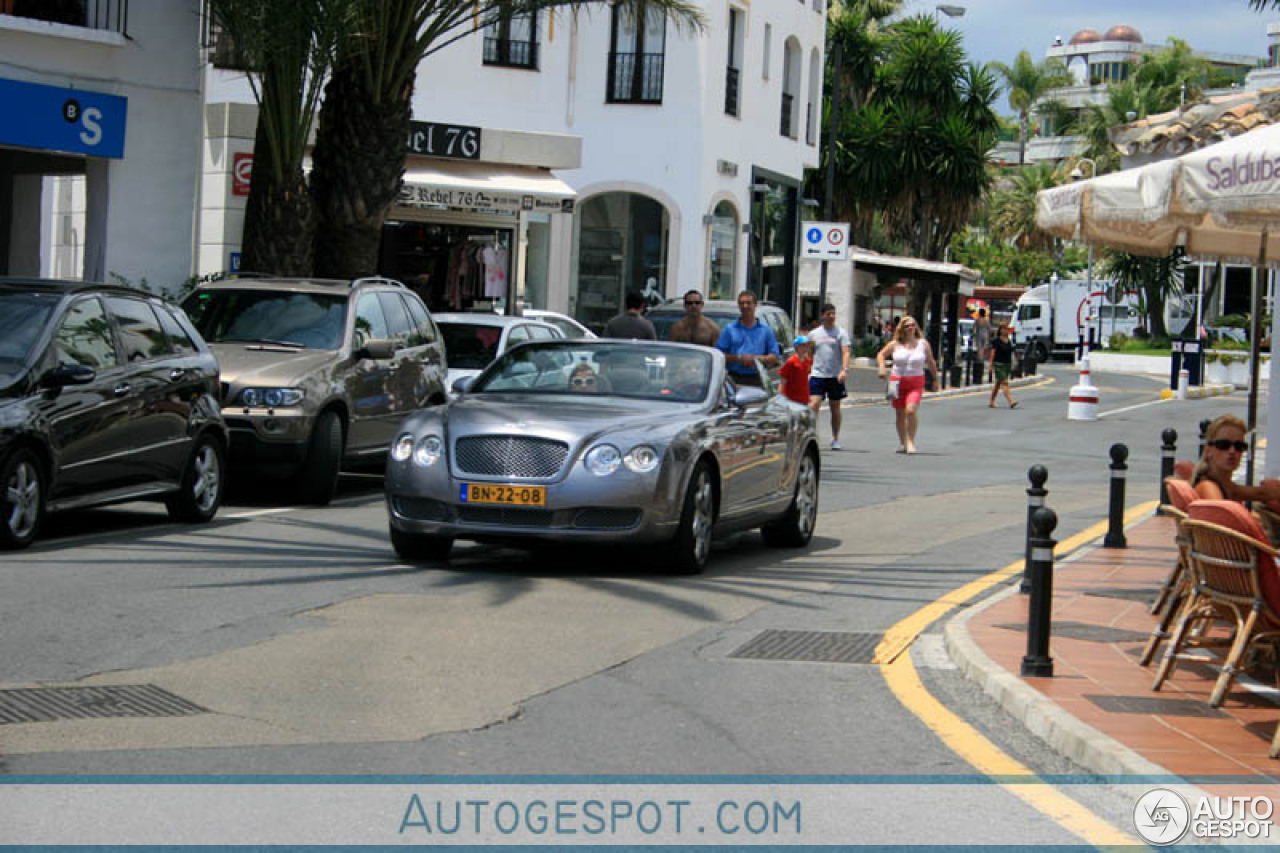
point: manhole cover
(1155, 705)
(810, 646)
(1085, 631)
(1125, 592)
(45, 704)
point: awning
(484, 187)
(961, 277)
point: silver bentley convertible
(605, 441)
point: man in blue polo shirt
(747, 341)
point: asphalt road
(315, 651)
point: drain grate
(810, 646)
(1126, 592)
(1085, 631)
(46, 704)
(1155, 705)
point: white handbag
(891, 392)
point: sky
(995, 30)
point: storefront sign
(74, 121)
(241, 173)
(444, 140)
(417, 195)
(727, 167)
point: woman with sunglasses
(583, 379)
(1224, 447)
(911, 354)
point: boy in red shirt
(795, 373)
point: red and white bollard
(1083, 402)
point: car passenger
(583, 380)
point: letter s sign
(90, 120)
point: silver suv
(317, 374)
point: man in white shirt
(830, 368)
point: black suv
(316, 372)
(723, 312)
(107, 395)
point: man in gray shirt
(830, 368)
(631, 323)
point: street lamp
(948, 9)
(1077, 174)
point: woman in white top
(910, 353)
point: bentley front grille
(511, 456)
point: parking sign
(825, 241)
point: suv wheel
(200, 494)
(318, 480)
(22, 488)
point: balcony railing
(511, 53)
(109, 15)
(635, 78)
(788, 102)
(731, 90)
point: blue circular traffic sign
(814, 235)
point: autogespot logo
(1161, 816)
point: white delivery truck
(1052, 317)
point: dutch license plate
(490, 493)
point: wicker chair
(1234, 577)
(1181, 495)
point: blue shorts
(832, 389)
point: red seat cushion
(1184, 470)
(1181, 493)
(1233, 516)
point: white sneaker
(835, 444)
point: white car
(472, 341)
(571, 327)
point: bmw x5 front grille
(514, 456)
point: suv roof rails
(226, 275)
(378, 279)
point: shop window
(622, 246)
(637, 53)
(512, 40)
(724, 252)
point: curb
(1081, 743)
(1023, 382)
(1196, 392)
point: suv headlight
(272, 398)
(603, 460)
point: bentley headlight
(603, 460)
(641, 459)
(403, 448)
(428, 451)
(271, 397)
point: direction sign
(824, 241)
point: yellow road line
(963, 739)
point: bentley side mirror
(463, 385)
(749, 396)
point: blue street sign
(814, 235)
(235, 262)
(48, 118)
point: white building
(106, 91)
(596, 156)
(1097, 61)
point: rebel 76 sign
(444, 140)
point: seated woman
(1224, 447)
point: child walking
(795, 373)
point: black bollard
(1115, 524)
(1037, 474)
(1167, 450)
(1037, 663)
(1204, 432)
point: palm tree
(288, 47)
(1027, 83)
(359, 153)
(1155, 278)
(1013, 210)
(913, 155)
(1125, 102)
(1175, 75)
